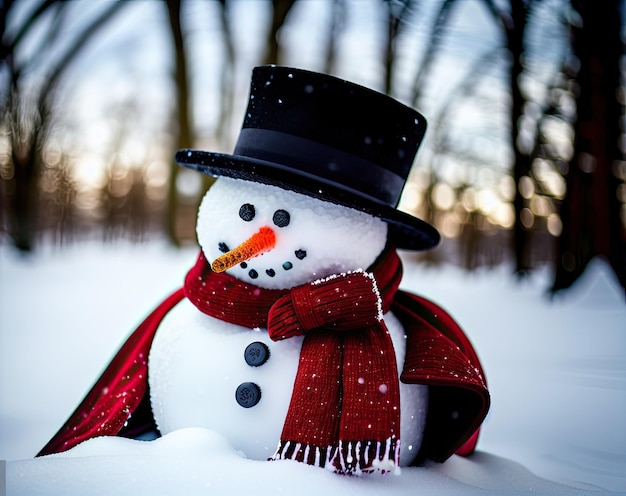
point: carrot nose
(260, 242)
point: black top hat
(330, 139)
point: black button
(248, 394)
(256, 354)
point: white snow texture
(556, 371)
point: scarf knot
(344, 412)
(340, 302)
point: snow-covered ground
(556, 369)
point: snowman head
(288, 238)
(316, 137)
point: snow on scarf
(345, 406)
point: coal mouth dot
(253, 274)
(223, 247)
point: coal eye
(281, 218)
(247, 212)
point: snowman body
(199, 366)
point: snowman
(291, 336)
(233, 378)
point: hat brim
(408, 232)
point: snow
(556, 370)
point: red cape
(438, 355)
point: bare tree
(513, 23)
(228, 75)
(337, 24)
(435, 39)
(29, 113)
(184, 128)
(591, 208)
(397, 12)
(280, 10)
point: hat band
(321, 161)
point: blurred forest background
(523, 161)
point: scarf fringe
(349, 458)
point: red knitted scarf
(345, 406)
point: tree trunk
(22, 196)
(521, 161)
(337, 23)
(590, 212)
(280, 11)
(184, 137)
(227, 84)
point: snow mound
(199, 461)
